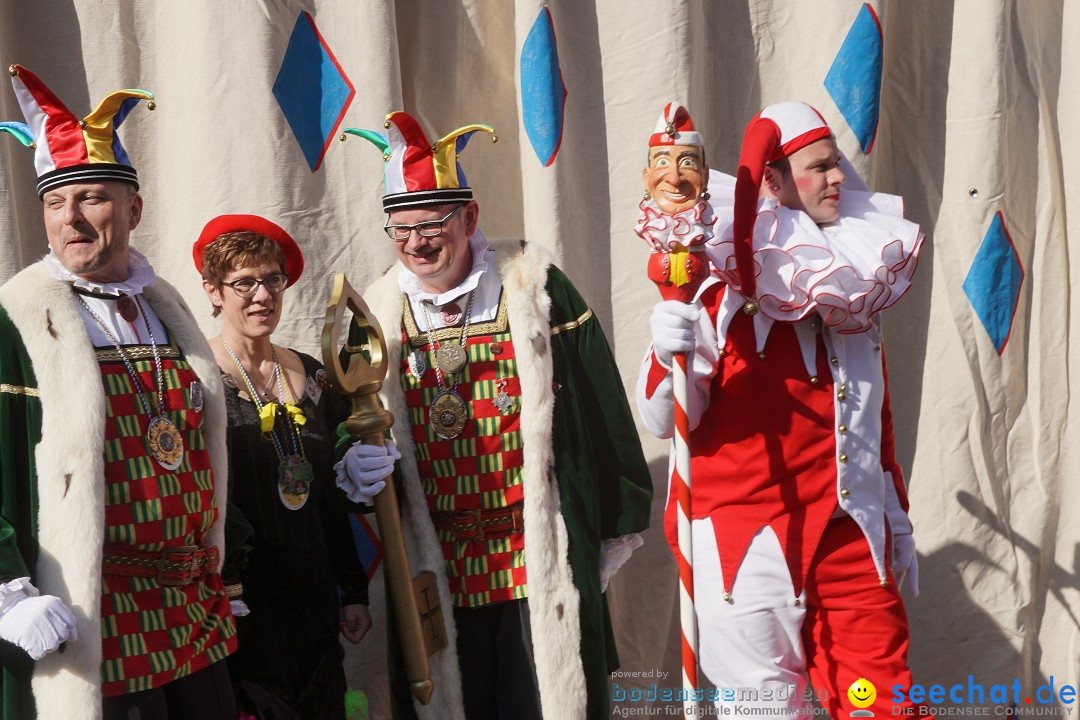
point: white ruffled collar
(410, 283)
(140, 276)
(846, 271)
(665, 232)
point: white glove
(906, 562)
(614, 552)
(36, 623)
(239, 608)
(363, 471)
(672, 326)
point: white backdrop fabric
(976, 102)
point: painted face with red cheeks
(255, 316)
(676, 177)
(88, 226)
(441, 261)
(813, 183)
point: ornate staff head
(675, 218)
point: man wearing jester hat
(523, 483)
(801, 537)
(112, 469)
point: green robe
(20, 430)
(578, 433)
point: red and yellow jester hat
(419, 172)
(675, 128)
(70, 150)
(775, 132)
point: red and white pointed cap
(417, 171)
(675, 127)
(774, 133)
(69, 150)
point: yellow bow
(295, 413)
(266, 417)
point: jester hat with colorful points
(69, 150)
(774, 133)
(419, 172)
(675, 128)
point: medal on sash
(448, 414)
(165, 443)
(195, 392)
(163, 439)
(502, 401)
(451, 358)
(417, 365)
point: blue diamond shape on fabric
(312, 90)
(854, 80)
(368, 546)
(993, 282)
(543, 94)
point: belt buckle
(467, 525)
(182, 560)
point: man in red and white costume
(800, 530)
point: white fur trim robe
(70, 466)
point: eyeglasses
(430, 228)
(247, 287)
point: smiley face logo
(862, 693)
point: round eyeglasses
(430, 228)
(247, 287)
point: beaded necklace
(294, 471)
(163, 439)
(448, 411)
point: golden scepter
(415, 600)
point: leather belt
(478, 524)
(177, 565)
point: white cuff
(15, 591)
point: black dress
(288, 665)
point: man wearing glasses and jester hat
(523, 483)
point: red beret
(294, 259)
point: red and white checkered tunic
(480, 468)
(152, 634)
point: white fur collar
(70, 466)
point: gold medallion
(451, 358)
(165, 443)
(448, 415)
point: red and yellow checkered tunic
(481, 467)
(152, 634)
